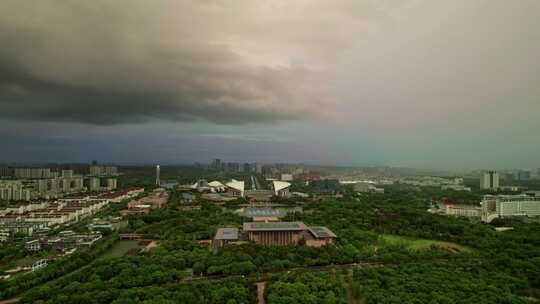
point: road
(10, 301)
(255, 185)
(325, 268)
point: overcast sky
(419, 83)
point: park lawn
(421, 244)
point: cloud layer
(108, 62)
(412, 82)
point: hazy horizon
(421, 84)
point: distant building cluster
(219, 165)
(39, 183)
(455, 184)
(32, 217)
(32, 183)
(519, 175)
(367, 188)
(284, 172)
(97, 170)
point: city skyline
(424, 84)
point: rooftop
(226, 234)
(517, 197)
(216, 184)
(273, 212)
(321, 232)
(274, 226)
(238, 185)
(279, 185)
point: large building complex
(275, 233)
(288, 234)
(502, 206)
(489, 180)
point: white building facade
(502, 206)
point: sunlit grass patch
(422, 244)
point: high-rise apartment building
(94, 184)
(33, 173)
(523, 175)
(67, 173)
(6, 172)
(111, 170)
(216, 164)
(13, 191)
(95, 170)
(489, 180)
(233, 167)
(111, 183)
(42, 185)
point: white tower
(158, 183)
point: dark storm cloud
(130, 61)
(25, 97)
